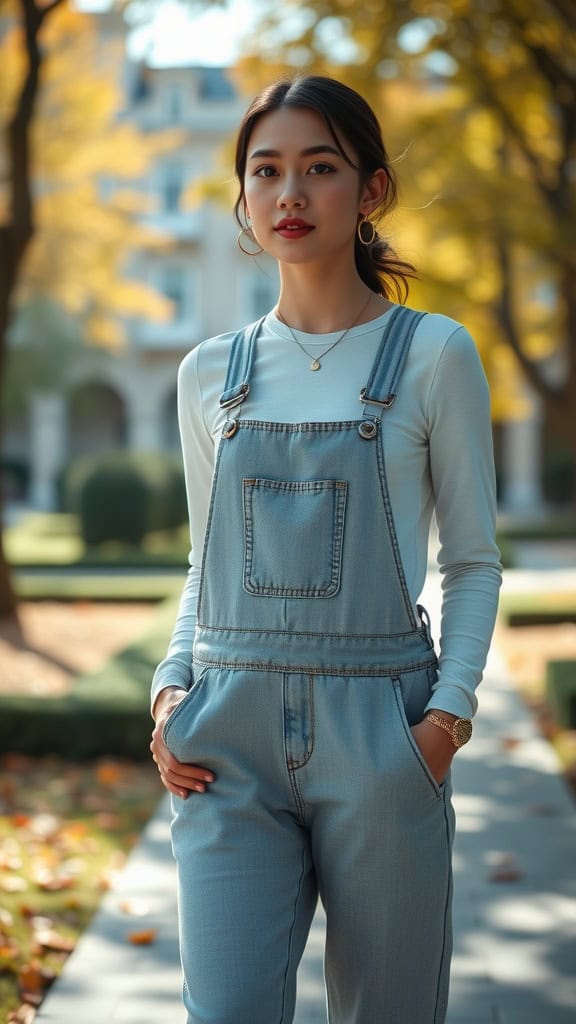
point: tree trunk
(8, 599)
(18, 229)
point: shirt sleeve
(198, 456)
(464, 486)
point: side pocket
(417, 754)
(183, 705)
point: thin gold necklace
(316, 363)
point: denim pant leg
(246, 885)
(382, 834)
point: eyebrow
(311, 151)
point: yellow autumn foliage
(85, 163)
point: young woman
(303, 722)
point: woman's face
(301, 195)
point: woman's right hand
(179, 779)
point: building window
(214, 84)
(174, 102)
(173, 285)
(171, 187)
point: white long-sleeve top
(439, 455)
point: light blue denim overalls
(310, 664)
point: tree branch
(491, 97)
(551, 70)
(504, 313)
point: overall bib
(310, 664)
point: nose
(291, 195)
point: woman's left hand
(436, 747)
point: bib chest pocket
(293, 534)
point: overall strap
(237, 384)
(391, 358)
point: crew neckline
(279, 328)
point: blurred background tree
(65, 229)
(480, 98)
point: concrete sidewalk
(515, 941)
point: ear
(373, 192)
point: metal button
(229, 428)
(368, 429)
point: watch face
(462, 730)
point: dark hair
(343, 109)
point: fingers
(179, 779)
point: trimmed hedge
(561, 691)
(122, 496)
(105, 713)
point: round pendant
(315, 364)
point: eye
(262, 172)
(321, 169)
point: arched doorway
(96, 420)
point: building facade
(128, 400)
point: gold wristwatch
(459, 730)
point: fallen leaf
(51, 881)
(10, 862)
(6, 919)
(23, 1015)
(30, 978)
(45, 826)
(136, 908)
(13, 883)
(20, 820)
(143, 938)
(109, 773)
(507, 869)
(51, 939)
(8, 951)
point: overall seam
(215, 480)
(294, 787)
(391, 527)
(385, 671)
(291, 935)
(446, 904)
(353, 637)
(438, 792)
(292, 764)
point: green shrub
(122, 496)
(114, 505)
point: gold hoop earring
(243, 231)
(366, 241)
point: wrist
(166, 698)
(458, 729)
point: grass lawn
(78, 586)
(53, 539)
(65, 828)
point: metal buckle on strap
(385, 403)
(237, 399)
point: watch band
(459, 730)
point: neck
(321, 303)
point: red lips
(292, 222)
(293, 227)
